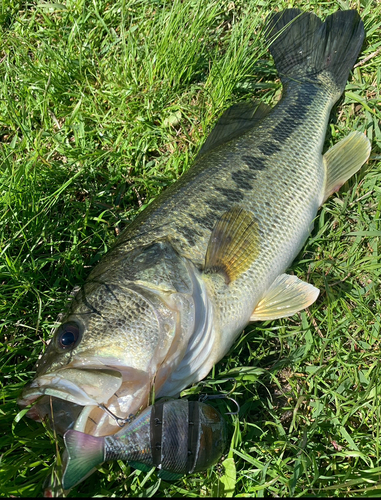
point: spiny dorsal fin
(233, 244)
(344, 159)
(286, 296)
(235, 121)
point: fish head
(105, 353)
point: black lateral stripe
(193, 435)
(156, 433)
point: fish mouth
(77, 397)
(62, 414)
(80, 386)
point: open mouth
(81, 386)
(95, 401)
(62, 414)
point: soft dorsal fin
(344, 159)
(233, 245)
(235, 121)
(285, 297)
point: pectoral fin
(286, 296)
(233, 244)
(344, 159)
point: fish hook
(205, 397)
(121, 422)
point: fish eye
(68, 335)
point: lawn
(103, 105)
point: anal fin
(344, 159)
(285, 297)
(233, 244)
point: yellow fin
(285, 297)
(344, 159)
(234, 122)
(233, 244)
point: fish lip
(58, 386)
(92, 418)
(34, 395)
(71, 399)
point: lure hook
(205, 397)
(121, 422)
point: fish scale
(291, 221)
(210, 253)
(216, 174)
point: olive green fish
(209, 255)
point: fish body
(178, 437)
(209, 254)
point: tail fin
(306, 49)
(84, 453)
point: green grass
(103, 105)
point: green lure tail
(84, 454)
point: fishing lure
(177, 437)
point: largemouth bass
(209, 254)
